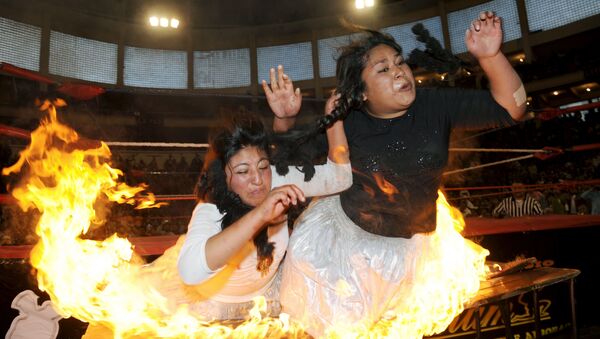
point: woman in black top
(365, 255)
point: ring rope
(8, 199)
(155, 144)
(542, 114)
(527, 188)
(489, 164)
(543, 154)
(570, 183)
(506, 150)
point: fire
(385, 186)
(101, 282)
(105, 283)
(429, 308)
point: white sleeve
(205, 222)
(330, 178)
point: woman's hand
(484, 37)
(273, 209)
(283, 100)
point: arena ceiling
(227, 13)
(562, 62)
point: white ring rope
(507, 150)
(22, 134)
(154, 144)
(198, 145)
(194, 145)
(489, 164)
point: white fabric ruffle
(336, 275)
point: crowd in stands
(159, 172)
(164, 175)
(564, 184)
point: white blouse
(244, 282)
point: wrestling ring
(496, 295)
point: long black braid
(434, 57)
(225, 141)
(296, 146)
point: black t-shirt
(405, 157)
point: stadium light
(360, 4)
(156, 21)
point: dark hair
(350, 64)
(296, 144)
(236, 133)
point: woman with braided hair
(354, 258)
(238, 233)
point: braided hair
(225, 141)
(434, 57)
(295, 146)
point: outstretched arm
(483, 39)
(284, 101)
(332, 177)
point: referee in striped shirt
(517, 205)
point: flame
(369, 190)
(101, 282)
(104, 282)
(385, 186)
(448, 275)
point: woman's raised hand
(283, 100)
(484, 35)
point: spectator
(153, 165)
(555, 204)
(182, 165)
(196, 164)
(593, 197)
(518, 205)
(141, 165)
(467, 208)
(170, 164)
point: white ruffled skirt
(339, 279)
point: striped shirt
(510, 207)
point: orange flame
(105, 283)
(101, 282)
(428, 308)
(385, 186)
